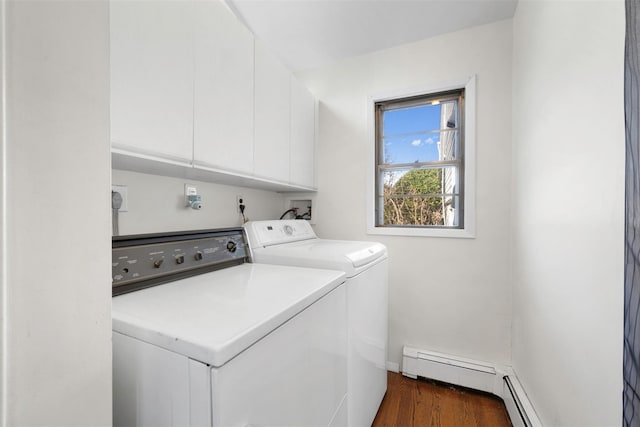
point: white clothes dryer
(244, 344)
(294, 243)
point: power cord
(306, 215)
(241, 206)
(294, 210)
(116, 204)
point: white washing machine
(223, 342)
(294, 243)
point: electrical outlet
(240, 201)
(122, 189)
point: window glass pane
(420, 147)
(449, 115)
(423, 211)
(449, 147)
(410, 120)
(419, 197)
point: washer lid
(343, 255)
(215, 316)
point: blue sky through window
(408, 134)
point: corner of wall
(3, 241)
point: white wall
(449, 295)
(568, 209)
(156, 204)
(56, 304)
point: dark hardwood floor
(424, 403)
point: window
(423, 163)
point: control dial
(198, 256)
(232, 246)
(180, 259)
(157, 263)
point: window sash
(420, 165)
(451, 217)
(416, 101)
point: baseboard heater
(473, 374)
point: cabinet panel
(152, 77)
(302, 135)
(223, 95)
(191, 86)
(272, 116)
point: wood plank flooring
(424, 403)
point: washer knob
(198, 256)
(157, 263)
(231, 246)
(180, 259)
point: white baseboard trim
(393, 367)
(518, 404)
(478, 375)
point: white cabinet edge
(155, 165)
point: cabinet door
(152, 77)
(302, 135)
(223, 96)
(272, 115)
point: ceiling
(312, 33)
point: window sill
(422, 232)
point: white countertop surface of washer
(213, 317)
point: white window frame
(469, 230)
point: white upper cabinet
(152, 78)
(194, 94)
(223, 91)
(302, 135)
(272, 116)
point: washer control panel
(269, 233)
(146, 260)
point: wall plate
(122, 189)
